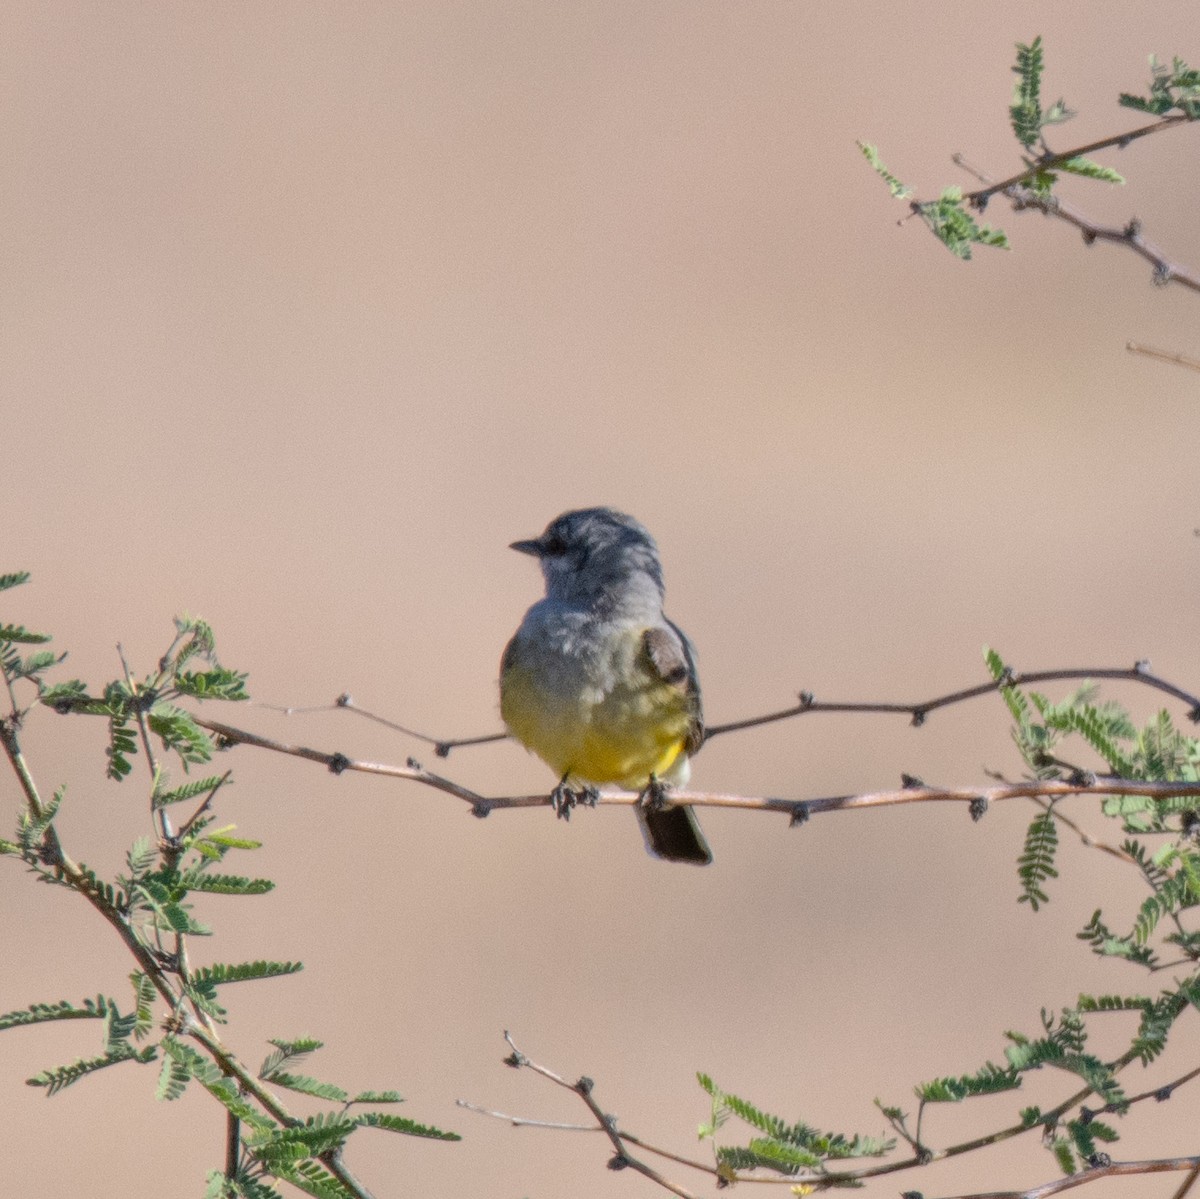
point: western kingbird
(599, 683)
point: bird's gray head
(599, 557)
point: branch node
(910, 782)
(918, 717)
(481, 810)
(344, 700)
(1082, 778)
(1134, 229)
(800, 814)
(1098, 1161)
(807, 699)
(618, 1162)
(1163, 1094)
(338, 763)
(584, 1087)
(1142, 666)
(442, 749)
(978, 808)
(1086, 1115)
(413, 764)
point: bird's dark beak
(534, 547)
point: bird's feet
(564, 797)
(654, 796)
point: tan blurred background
(310, 310)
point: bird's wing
(671, 657)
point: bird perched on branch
(599, 683)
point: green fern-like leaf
(799, 1136)
(871, 154)
(313, 1179)
(991, 1080)
(32, 665)
(194, 637)
(14, 579)
(1025, 1054)
(1169, 899)
(289, 1053)
(1177, 86)
(950, 222)
(1096, 1074)
(1064, 1154)
(378, 1097)
(1091, 170)
(223, 1089)
(217, 683)
(1097, 729)
(399, 1124)
(180, 732)
(226, 884)
(19, 635)
(42, 1013)
(220, 973)
(118, 1028)
(1036, 863)
(60, 1077)
(222, 839)
(173, 1079)
(1156, 1024)
(122, 745)
(780, 1156)
(319, 1134)
(1013, 696)
(187, 791)
(141, 857)
(308, 1086)
(1113, 1003)
(144, 996)
(31, 830)
(1026, 107)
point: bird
(600, 684)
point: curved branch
(798, 810)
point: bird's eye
(554, 546)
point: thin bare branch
(1083, 1177)
(918, 712)
(1049, 162)
(798, 810)
(1163, 355)
(584, 1088)
(1129, 234)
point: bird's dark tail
(674, 834)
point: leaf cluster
(1173, 88)
(151, 904)
(948, 217)
(787, 1148)
(126, 704)
(1050, 736)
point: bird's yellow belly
(620, 734)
